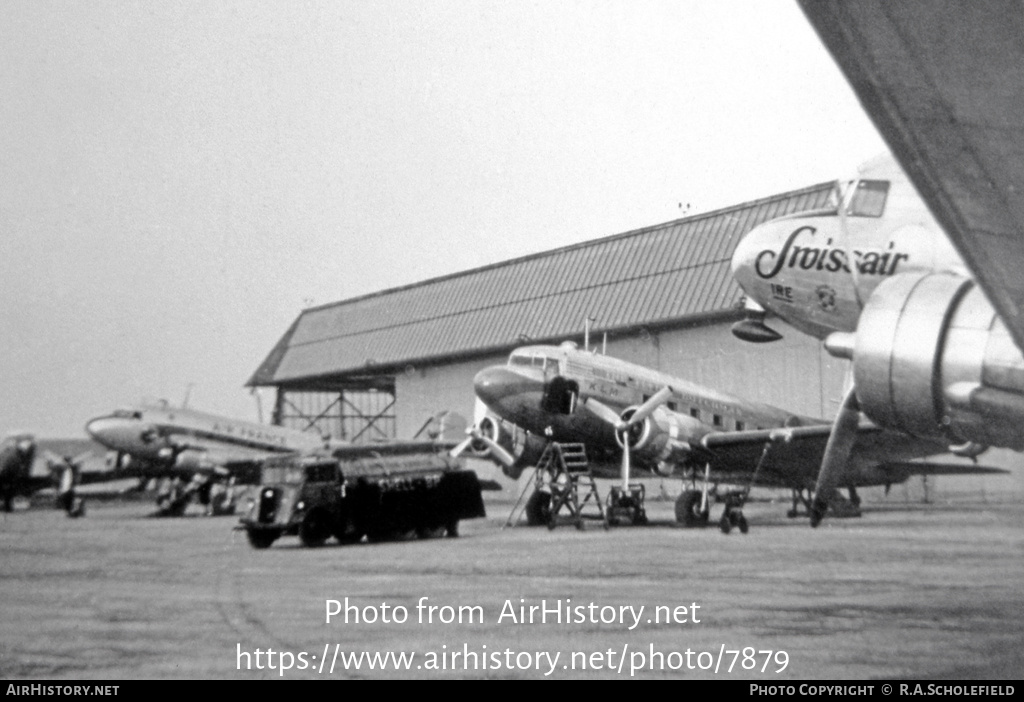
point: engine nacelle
(525, 447)
(931, 358)
(663, 438)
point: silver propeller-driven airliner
(635, 420)
(875, 277)
(210, 453)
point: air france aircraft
(634, 418)
(876, 278)
(194, 448)
(208, 450)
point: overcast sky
(178, 180)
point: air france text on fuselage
(769, 262)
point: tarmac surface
(924, 592)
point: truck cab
(297, 495)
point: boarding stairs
(564, 479)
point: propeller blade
(837, 453)
(497, 452)
(462, 446)
(645, 410)
(603, 411)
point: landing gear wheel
(315, 529)
(688, 511)
(172, 505)
(538, 508)
(725, 524)
(733, 517)
(77, 508)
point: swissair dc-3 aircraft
(634, 418)
(876, 278)
(210, 451)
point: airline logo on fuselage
(769, 262)
(250, 434)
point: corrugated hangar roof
(668, 274)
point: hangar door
(358, 414)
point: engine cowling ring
(921, 340)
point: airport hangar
(379, 366)
(382, 365)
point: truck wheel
(315, 528)
(429, 532)
(379, 535)
(348, 537)
(259, 538)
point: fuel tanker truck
(378, 496)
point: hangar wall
(423, 392)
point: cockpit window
(127, 414)
(869, 198)
(549, 365)
(287, 474)
(322, 472)
(519, 360)
(861, 198)
(839, 190)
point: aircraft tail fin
(445, 427)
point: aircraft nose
(744, 256)
(498, 383)
(109, 431)
(758, 252)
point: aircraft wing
(218, 453)
(391, 448)
(791, 457)
(942, 80)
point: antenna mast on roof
(586, 332)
